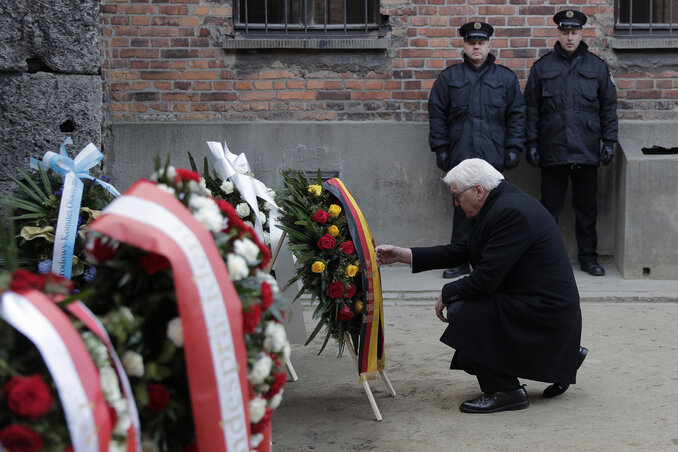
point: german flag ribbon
(371, 349)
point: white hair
(474, 171)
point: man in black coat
(572, 108)
(516, 315)
(476, 109)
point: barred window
(299, 17)
(646, 17)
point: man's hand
(441, 160)
(606, 153)
(511, 160)
(439, 309)
(532, 156)
(389, 254)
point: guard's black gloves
(532, 157)
(441, 160)
(606, 153)
(511, 160)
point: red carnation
(260, 426)
(347, 247)
(28, 397)
(184, 174)
(350, 290)
(266, 254)
(25, 280)
(326, 242)
(320, 217)
(152, 263)
(158, 397)
(335, 289)
(18, 438)
(345, 314)
(266, 296)
(278, 382)
(251, 318)
(99, 251)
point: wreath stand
(365, 384)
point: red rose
(98, 251)
(25, 280)
(251, 318)
(18, 438)
(326, 242)
(28, 397)
(184, 174)
(350, 290)
(266, 296)
(345, 314)
(152, 263)
(320, 217)
(278, 382)
(336, 289)
(265, 421)
(347, 247)
(158, 397)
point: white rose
(275, 400)
(261, 370)
(262, 217)
(257, 408)
(175, 332)
(243, 210)
(276, 337)
(256, 439)
(227, 187)
(237, 267)
(171, 172)
(194, 187)
(247, 249)
(109, 383)
(133, 363)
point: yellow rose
(318, 267)
(315, 190)
(351, 270)
(333, 230)
(334, 210)
(357, 263)
(358, 306)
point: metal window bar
(624, 18)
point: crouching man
(516, 315)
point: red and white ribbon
(209, 306)
(74, 373)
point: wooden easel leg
(290, 370)
(365, 384)
(387, 382)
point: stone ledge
(306, 43)
(644, 43)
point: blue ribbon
(72, 170)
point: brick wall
(163, 60)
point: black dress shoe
(557, 388)
(496, 401)
(592, 268)
(456, 271)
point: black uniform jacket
(519, 312)
(571, 107)
(476, 112)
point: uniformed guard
(571, 109)
(476, 109)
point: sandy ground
(626, 397)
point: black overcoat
(519, 313)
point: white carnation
(171, 172)
(124, 419)
(275, 400)
(256, 439)
(134, 364)
(276, 337)
(261, 370)
(175, 332)
(117, 446)
(237, 267)
(247, 249)
(227, 187)
(243, 210)
(166, 188)
(206, 211)
(257, 409)
(109, 383)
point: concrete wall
(387, 166)
(647, 226)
